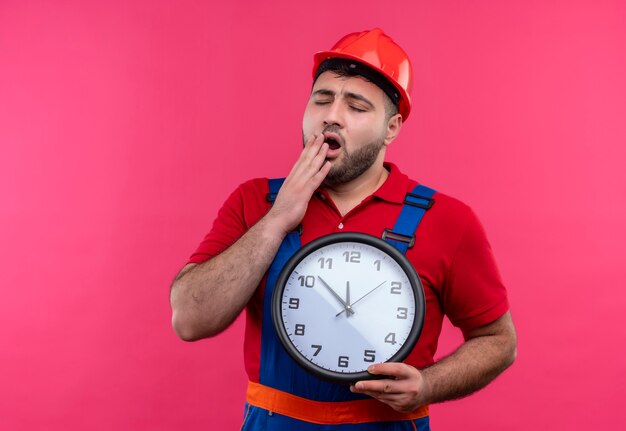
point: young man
(340, 182)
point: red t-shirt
(451, 255)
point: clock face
(346, 301)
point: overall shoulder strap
(275, 185)
(416, 203)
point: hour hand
(350, 305)
(346, 307)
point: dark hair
(345, 67)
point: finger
(318, 178)
(310, 139)
(315, 169)
(398, 370)
(313, 145)
(307, 159)
(320, 157)
(376, 388)
(315, 139)
(391, 399)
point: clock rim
(338, 237)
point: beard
(354, 164)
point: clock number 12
(352, 256)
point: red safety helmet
(378, 51)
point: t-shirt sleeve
(240, 211)
(475, 294)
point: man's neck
(348, 195)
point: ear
(393, 128)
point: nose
(334, 114)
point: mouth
(333, 141)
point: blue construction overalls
(290, 399)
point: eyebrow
(348, 95)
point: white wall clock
(346, 301)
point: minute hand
(351, 305)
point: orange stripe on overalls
(326, 413)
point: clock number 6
(343, 361)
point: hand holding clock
(404, 390)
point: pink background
(124, 125)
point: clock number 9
(294, 303)
(352, 256)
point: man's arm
(206, 298)
(486, 353)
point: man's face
(350, 112)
